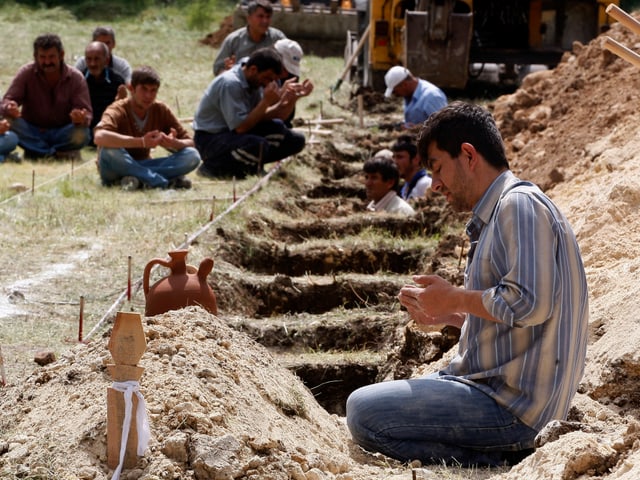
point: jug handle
(206, 266)
(147, 271)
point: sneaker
(180, 182)
(14, 157)
(129, 183)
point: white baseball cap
(291, 54)
(393, 77)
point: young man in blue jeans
(131, 127)
(523, 312)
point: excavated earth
(308, 312)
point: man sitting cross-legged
(131, 127)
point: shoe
(180, 182)
(203, 171)
(14, 157)
(69, 155)
(206, 172)
(129, 183)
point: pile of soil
(222, 407)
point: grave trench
(319, 291)
(336, 328)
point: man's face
(404, 163)
(450, 178)
(96, 60)
(259, 21)
(107, 40)
(376, 187)
(402, 89)
(144, 95)
(259, 79)
(49, 60)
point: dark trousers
(229, 153)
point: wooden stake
(81, 318)
(361, 110)
(129, 278)
(623, 52)
(3, 378)
(213, 208)
(127, 345)
(234, 189)
(33, 182)
(260, 158)
(624, 18)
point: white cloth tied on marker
(128, 388)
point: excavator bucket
(437, 44)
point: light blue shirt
(226, 102)
(528, 265)
(426, 99)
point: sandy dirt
(222, 407)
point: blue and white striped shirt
(528, 265)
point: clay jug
(184, 287)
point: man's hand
(79, 116)
(170, 141)
(229, 62)
(271, 93)
(4, 126)
(431, 297)
(11, 109)
(122, 92)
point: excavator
(446, 41)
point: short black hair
(47, 41)
(385, 166)
(461, 122)
(104, 30)
(266, 59)
(144, 75)
(405, 143)
(266, 5)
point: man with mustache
(48, 104)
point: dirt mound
(215, 39)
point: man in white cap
(291, 89)
(421, 98)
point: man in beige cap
(291, 89)
(421, 98)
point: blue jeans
(435, 419)
(116, 163)
(8, 143)
(47, 141)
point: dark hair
(47, 41)
(459, 123)
(385, 166)
(144, 76)
(266, 59)
(100, 31)
(266, 5)
(405, 143)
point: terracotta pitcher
(184, 287)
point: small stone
(44, 357)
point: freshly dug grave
(209, 387)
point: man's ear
(470, 153)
